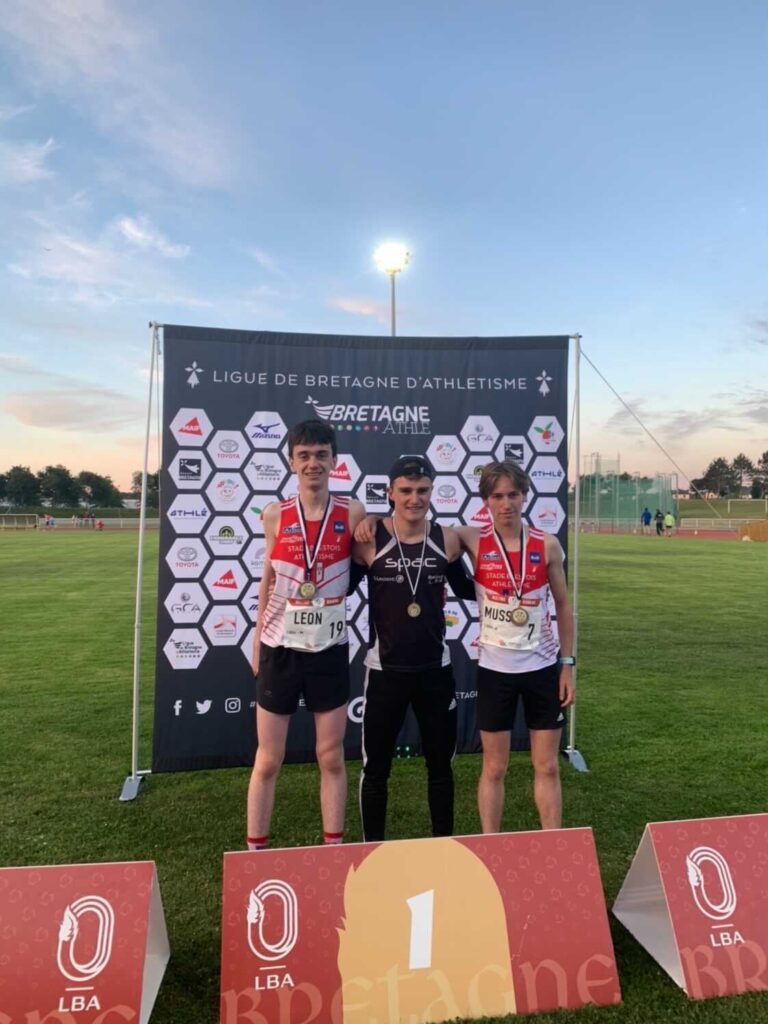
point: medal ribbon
(508, 561)
(310, 557)
(402, 558)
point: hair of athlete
(493, 472)
(311, 432)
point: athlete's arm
(469, 537)
(271, 516)
(366, 528)
(356, 514)
(559, 588)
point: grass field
(671, 720)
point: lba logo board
(82, 942)
(696, 896)
(352, 934)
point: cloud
(98, 410)
(22, 163)
(361, 307)
(675, 424)
(265, 261)
(759, 332)
(143, 234)
(117, 266)
(99, 56)
(7, 112)
(11, 363)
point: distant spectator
(669, 523)
(659, 521)
(645, 520)
(99, 524)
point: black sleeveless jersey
(400, 642)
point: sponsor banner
(695, 897)
(229, 399)
(382, 931)
(81, 942)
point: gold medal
(414, 610)
(308, 590)
(519, 616)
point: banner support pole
(573, 755)
(132, 782)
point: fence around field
(115, 523)
(754, 531)
(724, 526)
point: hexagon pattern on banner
(448, 495)
(372, 492)
(354, 644)
(186, 602)
(266, 429)
(189, 470)
(191, 427)
(471, 641)
(347, 473)
(470, 471)
(253, 512)
(226, 536)
(547, 514)
(250, 602)
(254, 557)
(187, 558)
(479, 433)
(290, 488)
(188, 513)
(545, 433)
(546, 474)
(247, 645)
(225, 580)
(224, 625)
(514, 447)
(455, 619)
(228, 448)
(265, 471)
(227, 492)
(185, 648)
(446, 452)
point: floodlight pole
(573, 755)
(131, 785)
(392, 302)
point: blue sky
(554, 167)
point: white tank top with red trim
(492, 577)
(330, 572)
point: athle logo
(73, 923)
(277, 900)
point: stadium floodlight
(392, 258)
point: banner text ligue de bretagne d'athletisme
(229, 398)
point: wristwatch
(566, 660)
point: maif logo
(708, 870)
(70, 930)
(283, 899)
(192, 427)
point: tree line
(728, 479)
(56, 486)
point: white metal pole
(392, 303)
(132, 782)
(572, 753)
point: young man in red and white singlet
(516, 568)
(300, 645)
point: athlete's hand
(567, 686)
(365, 530)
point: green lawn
(671, 720)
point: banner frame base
(575, 759)
(131, 786)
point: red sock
(257, 842)
(333, 838)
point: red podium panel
(696, 896)
(80, 943)
(436, 928)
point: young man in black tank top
(408, 661)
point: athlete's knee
(494, 769)
(267, 764)
(546, 767)
(330, 758)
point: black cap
(411, 465)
